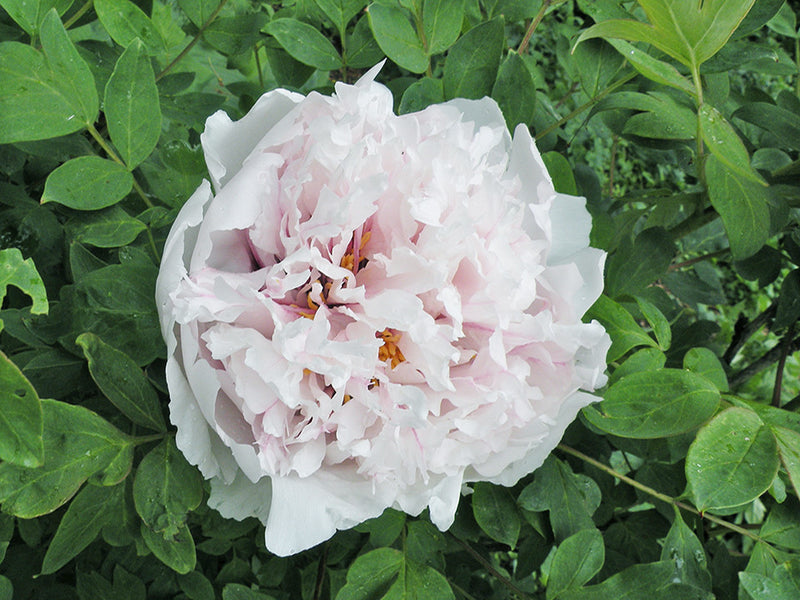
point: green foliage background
(678, 120)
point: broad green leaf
(236, 34)
(166, 488)
(788, 302)
(131, 106)
(238, 591)
(341, 11)
(732, 461)
(397, 38)
(496, 512)
(87, 183)
(635, 31)
(789, 448)
(724, 143)
(305, 43)
(682, 546)
(782, 526)
(743, 206)
(441, 22)
(22, 274)
(87, 514)
(198, 11)
(420, 582)
(658, 322)
(597, 62)
(655, 404)
(625, 332)
(781, 586)
(78, 445)
(514, 91)
(421, 94)
(362, 49)
(654, 581)
(196, 586)
(20, 418)
(560, 172)
(107, 228)
(576, 560)
(666, 120)
(471, 66)
(719, 19)
(45, 94)
(6, 588)
(384, 530)
(783, 123)
(29, 14)
(704, 362)
(116, 303)
(6, 533)
(177, 553)
(653, 68)
(122, 382)
(646, 359)
(124, 22)
(371, 574)
(570, 498)
(636, 265)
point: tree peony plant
(372, 310)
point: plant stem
(532, 27)
(193, 41)
(700, 153)
(693, 223)
(256, 48)
(655, 494)
(491, 568)
(113, 156)
(461, 591)
(586, 105)
(697, 259)
(78, 14)
(762, 363)
(744, 330)
(144, 439)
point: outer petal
(331, 499)
(227, 143)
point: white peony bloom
(371, 310)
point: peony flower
(372, 310)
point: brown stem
(532, 27)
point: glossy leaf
(704, 362)
(471, 66)
(397, 38)
(636, 265)
(122, 382)
(87, 183)
(724, 144)
(496, 513)
(132, 107)
(125, 22)
(441, 22)
(655, 404)
(305, 43)
(107, 228)
(178, 553)
(29, 14)
(78, 445)
(45, 94)
(22, 274)
(657, 320)
(625, 332)
(789, 448)
(20, 418)
(779, 121)
(340, 12)
(682, 546)
(514, 91)
(576, 560)
(732, 461)
(789, 301)
(165, 489)
(653, 68)
(421, 94)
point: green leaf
(515, 91)
(743, 206)
(656, 581)
(788, 302)
(362, 49)
(166, 488)
(732, 461)
(78, 445)
(20, 418)
(705, 363)
(177, 553)
(656, 404)
(196, 586)
(560, 172)
(341, 11)
(646, 359)
(48, 94)
(87, 183)
(783, 585)
(237, 591)
(570, 498)
(421, 94)
(471, 66)
(6, 533)
(652, 68)
(625, 332)
(782, 527)
(122, 382)
(397, 38)
(636, 265)
(789, 449)
(724, 143)
(371, 574)
(131, 106)
(107, 228)
(198, 11)
(236, 34)
(87, 514)
(779, 121)
(124, 22)
(29, 14)
(597, 62)
(682, 546)
(305, 43)
(576, 560)
(22, 274)
(6, 588)
(384, 530)
(441, 22)
(657, 321)
(496, 512)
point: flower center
(389, 351)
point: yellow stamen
(347, 398)
(390, 351)
(364, 240)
